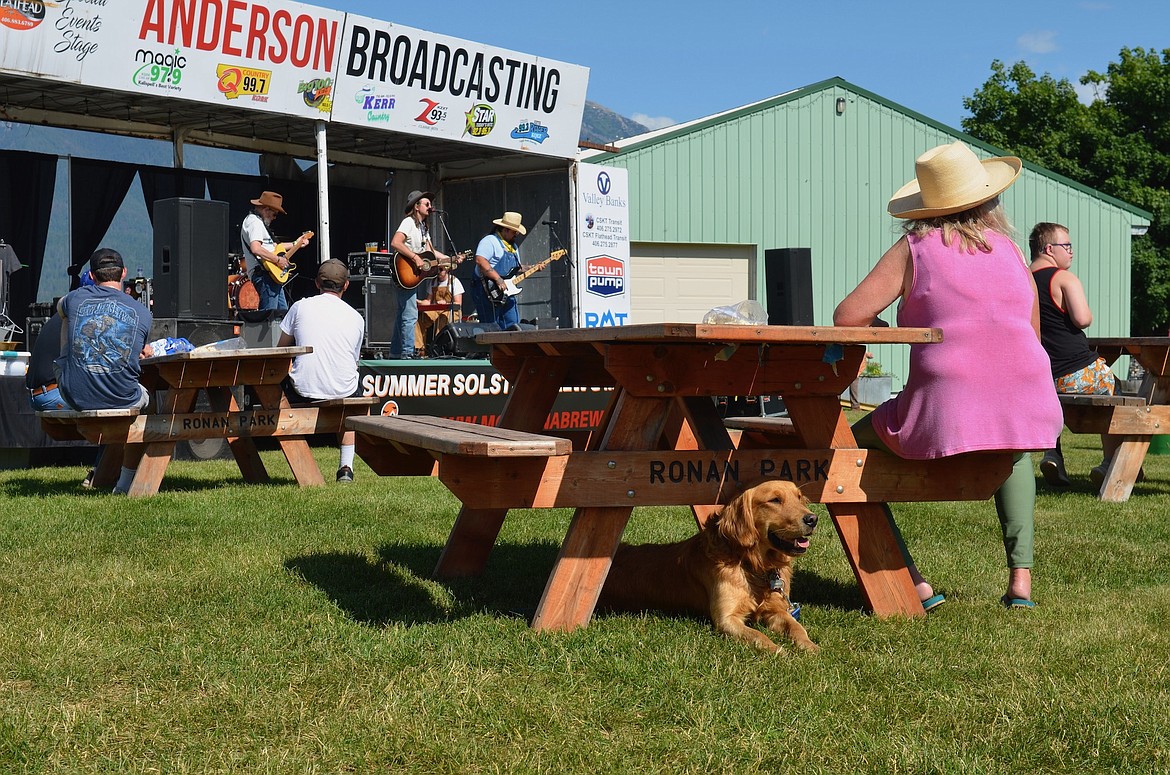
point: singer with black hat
(412, 238)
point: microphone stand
(557, 240)
(450, 270)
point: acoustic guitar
(286, 250)
(408, 276)
(499, 296)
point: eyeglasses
(1066, 245)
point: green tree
(1118, 144)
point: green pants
(1015, 501)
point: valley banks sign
(603, 244)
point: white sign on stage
(603, 246)
(408, 80)
(275, 57)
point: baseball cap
(333, 271)
(105, 258)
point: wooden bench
(94, 425)
(1132, 419)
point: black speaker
(190, 258)
(380, 300)
(458, 340)
(789, 277)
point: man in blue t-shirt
(104, 333)
(496, 259)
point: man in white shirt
(410, 240)
(334, 330)
(261, 251)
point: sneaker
(345, 474)
(1052, 468)
(1098, 474)
(87, 482)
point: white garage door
(673, 283)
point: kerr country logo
(377, 106)
(159, 71)
(237, 81)
(481, 120)
(605, 276)
(530, 130)
(22, 14)
(317, 93)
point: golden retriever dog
(736, 570)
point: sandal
(1016, 602)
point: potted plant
(873, 385)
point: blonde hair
(968, 226)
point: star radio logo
(605, 276)
(481, 120)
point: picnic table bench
(663, 443)
(181, 377)
(1136, 420)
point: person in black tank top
(1064, 316)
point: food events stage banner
(300, 60)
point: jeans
(271, 293)
(402, 341)
(507, 316)
(48, 401)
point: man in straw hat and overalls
(987, 385)
(260, 248)
(411, 239)
(497, 257)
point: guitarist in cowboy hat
(497, 257)
(412, 238)
(261, 249)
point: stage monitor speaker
(457, 340)
(789, 279)
(190, 258)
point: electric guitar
(499, 296)
(286, 249)
(408, 276)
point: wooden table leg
(694, 423)
(243, 448)
(156, 457)
(594, 534)
(475, 530)
(865, 529)
(109, 468)
(1123, 469)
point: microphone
(437, 210)
(549, 223)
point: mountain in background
(601, 125)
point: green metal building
(814, 168)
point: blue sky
(666, 62)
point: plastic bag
(746, 313)
(169, 346)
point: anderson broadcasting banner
(300, 60)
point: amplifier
(371, 264)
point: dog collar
(776, 584)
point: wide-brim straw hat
(950, 179)
(511, 221)
(271, 199)
(413, 197)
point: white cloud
(1087, 92)
(1042, 42)
(653, 122)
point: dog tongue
(801, 543)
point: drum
(241, 293)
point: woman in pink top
(957, 269)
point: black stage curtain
(168, 183)
(356, 216)
(97, 191)
(26, 202)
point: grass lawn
(222, 627)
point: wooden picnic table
(663, 442)
(1135, 421)
(218, 374)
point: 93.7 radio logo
(238, 81)
(159, 70)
